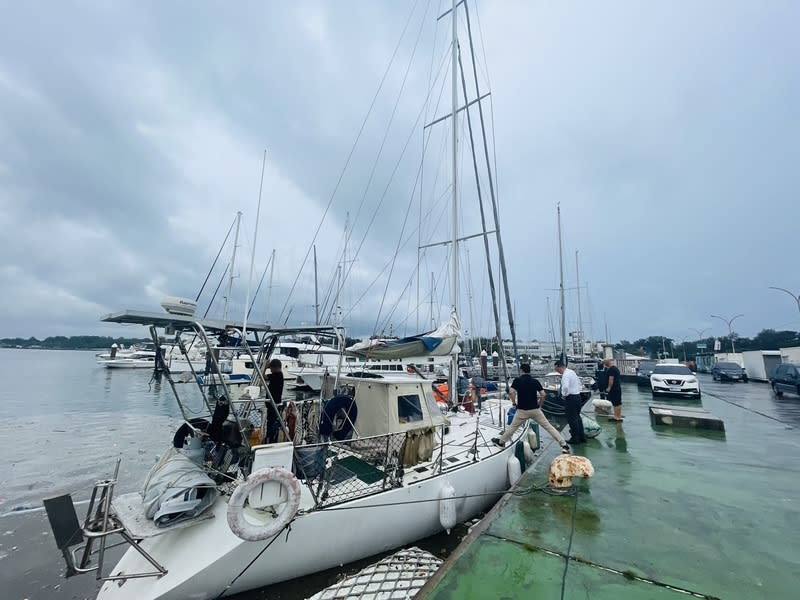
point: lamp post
(700, 332)
(729, 322)
(683, 346)
(796, 298)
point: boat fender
(251, 532)
(447, 507)
(528, 451)
(533, 439)
(514, 470)
(591, 428)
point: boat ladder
(100, 523)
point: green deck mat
(361, 469)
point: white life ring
(236, 518)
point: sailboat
(554, 406)
(374, 466)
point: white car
(674, 380)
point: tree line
(657, 346)
(75, 342)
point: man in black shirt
(613, 389)
(524, 392)
(275, 386)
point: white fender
(447, 507)
(528, 451)
(591, 428)
(533, 439)
(249, 531)
(514, 470)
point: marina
(333, 416)
(704, 511)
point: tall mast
(253, 252)
(500, 252)
(269, 291)
(580, 321)
(233, 264)
(454, 261)
(316, 289)
(561, 290)
(454, 100)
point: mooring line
(749, 409)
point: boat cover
(177, 489)
(440, 342)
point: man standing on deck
(275, 386)
(571, 392)
(613, 389)
(523, 392)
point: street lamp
(700, 332)
(729, 322)
(796, 298)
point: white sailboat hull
(207, 560)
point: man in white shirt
(571, 392)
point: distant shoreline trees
(75, 342)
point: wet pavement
(701, 511)
(669, 511)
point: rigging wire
(349, 157)
(214, 264)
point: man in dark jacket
(275, 387)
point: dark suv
(786, 378)
(728, 371)
(644, 371)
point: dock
(671, 512)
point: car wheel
(776, 390)
(745, 380)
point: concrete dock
(669, 512)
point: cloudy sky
(131, 133)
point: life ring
(250, 532)
(333, 408)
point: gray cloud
(133, 132)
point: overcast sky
(132, 132)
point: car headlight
(655, 378)
(691, 380)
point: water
(64, 423)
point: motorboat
(553, 406)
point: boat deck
(669, 511)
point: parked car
(786, 378)
(644, 371)
(675, 380)
(728, 371)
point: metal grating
(396, 577)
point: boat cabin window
(409, 409)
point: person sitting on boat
(275, 386)
(523, 392)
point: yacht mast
(316, 289)
(561, 291)
(233, 264)
(500, 251)
(253, 251)
(454, 100)
(580, 321)
(269, 291)
(454, 258)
